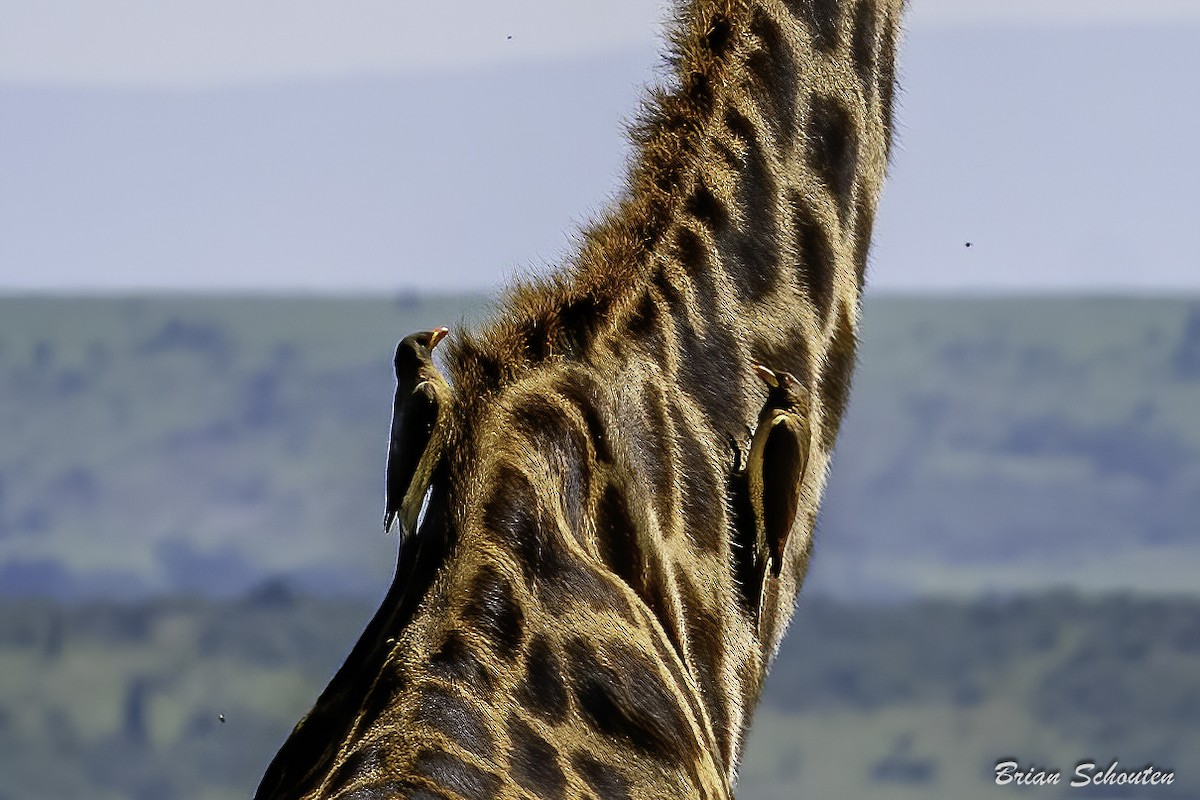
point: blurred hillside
(204, 444)
(189, 698)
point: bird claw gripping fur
(413, 448)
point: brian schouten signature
(1087, 773)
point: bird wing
(413, 418)
(785, 457)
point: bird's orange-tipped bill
(436, 335)
(766, 376)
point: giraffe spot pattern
(691, 252)
(658, 462)
(672, 660)
(863, 47)
(645, 328)
(551, 570)
(753, 245)
(582, 393)
(534, 763)
(708, 654)
(544, 688)
(622, 696)
(823, 18)
(704, 528)
(773, 68)
(835, 378)
(451, 772)
(454, 661)
(617, 538)
(862, 239)
(707, 209)
(814, 255)
(494, 613)
(455, 719)
(360, 765)
(718, 36)
(833, 150)
(708, 362)
(381, 697)
(606, 780)
(566, 448)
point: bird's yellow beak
(436, 335)
(766, 376)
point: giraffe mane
(562, 314)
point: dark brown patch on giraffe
(645, 327)
(605, 780)
(718, 35)
(361, 765)
(456, 719)
(512, 511)
(565, 447)
(835, 377)
(691, 251)
(455, 662)
(753, 245)
(551, 570)
(621, 694)
(833, 150)
(380, 699)
(535, 339)
(706, 637)
(698, 89)
(579, 581)
(657, 456)
(534, 762)
(617, 539)
(581, 317)
(863, 47)
(773, 68)
(814, 254)
(494, 612)
(823, 18)
(731, 161)
(451, 772)
(544, 689)
(707, 360)
(705, 207)
(862, 242)
(702, 524)
(582, 393)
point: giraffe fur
(571, 618)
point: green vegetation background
(190, 499)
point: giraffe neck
(571, 618)
(743, 239)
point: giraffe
(582, 607)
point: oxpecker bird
(775, 472)
(421, 395)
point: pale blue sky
(206, 42)
(372, 145)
